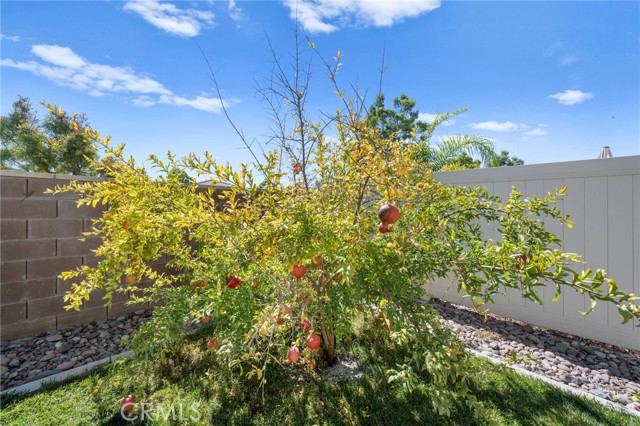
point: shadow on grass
(193, 375)
(527, 401)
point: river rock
(66, 365)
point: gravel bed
(31, 358)
(603, 370)
(606, 371)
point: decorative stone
(54, 338)
(66, 365)
(587, 349)
(567, 378)
(598, 392)
(534, 339)
(63, 347)
(622, 398)
(47, 357)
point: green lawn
(222, 398)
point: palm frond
(447, 150)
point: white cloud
(10, 38)
(571, 97)
(235, 12)
(494, 126)
(425, 116)
(58, 55)
(428, 118)
(326, 16)
(202, 103)
(169, 18)
(536, 132)
(567, 60)
(554, 49)
(143, 101)
(65, 68)
(559, 51)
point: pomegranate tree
(307, 244)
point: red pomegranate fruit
(389, 214)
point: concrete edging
(556, 384)
(37, 384)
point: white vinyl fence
(603, 199)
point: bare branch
(239, 132)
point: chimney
(605, 152)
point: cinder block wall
(39, 239)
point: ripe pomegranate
(521, 261)
(308, 300)
(126, 226)
(206, 319)
(233, 282)
(305, 325)
(287, 310)
(312, 364)
(317, 262)
(279, 320)
(297, 168)
(131, 279)
(127, 404)
(293, 354)
(298, 271)
(389, 214)
(201, 284)
(384, 228)
(213, 344)
(313, 342)
(348, 340)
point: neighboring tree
(463, 162)
(454, 152)
(61, 143)
(503, 159)
(402, 123)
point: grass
(223, 398)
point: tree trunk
(329, 346)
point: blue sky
(548, 81)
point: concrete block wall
(39, 239)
